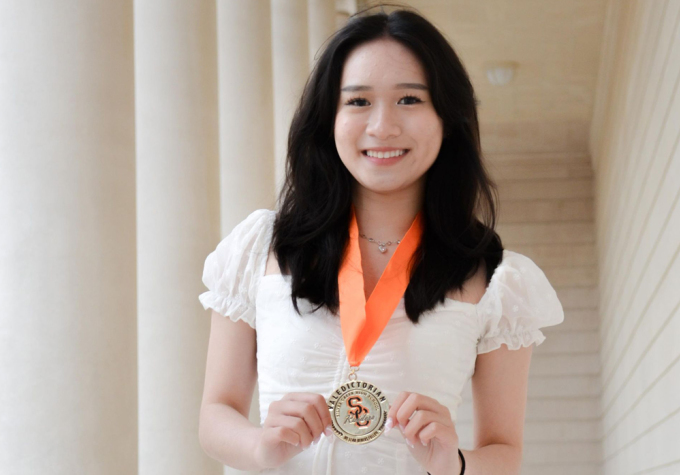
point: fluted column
(68, 333)
(245, 109)
(178, 225)
(321, 19)
(246, 119)
(290, 49)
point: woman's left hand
(429, 431)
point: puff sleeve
(518, 302)
(232, 271)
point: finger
(320, 405)
(396, 405)
(446, 435)
(302, 435)
(322, 408)
(415, 402)
(284, 434)
(419, 421)
(307, 412)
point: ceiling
(547, 107)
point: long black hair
(311, 228)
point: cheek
(434, 133)
(339, 129)
(346, 132)
(430, 133)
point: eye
(360, 101)
(414, 99)
(353, 101)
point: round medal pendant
(358, 411)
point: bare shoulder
(473, 289)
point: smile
(389, 154)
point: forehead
(381, 62)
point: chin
(381, 186)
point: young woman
(379, 287)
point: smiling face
(387, 131)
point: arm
(225, 433)
(499, 391)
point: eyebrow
(401, 85)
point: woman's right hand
(292, 424)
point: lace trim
(514, 341)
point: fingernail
(424, 444)
(328, 431)
(408, 442)
(388, 425)
(315, 441)
(401, 427)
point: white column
(68, 334)
(245, 109)
(178, 225)
(291, 67)
(246, 114)
(321, 19)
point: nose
(383, 123)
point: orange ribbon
(362, 322)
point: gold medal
(358, 410)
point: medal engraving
(359, 411)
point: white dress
(436, 357)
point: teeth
(394, 153)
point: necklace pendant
(382, 248)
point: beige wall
(547, 214)
(635, 133)
(548, 106)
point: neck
(387, 217)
